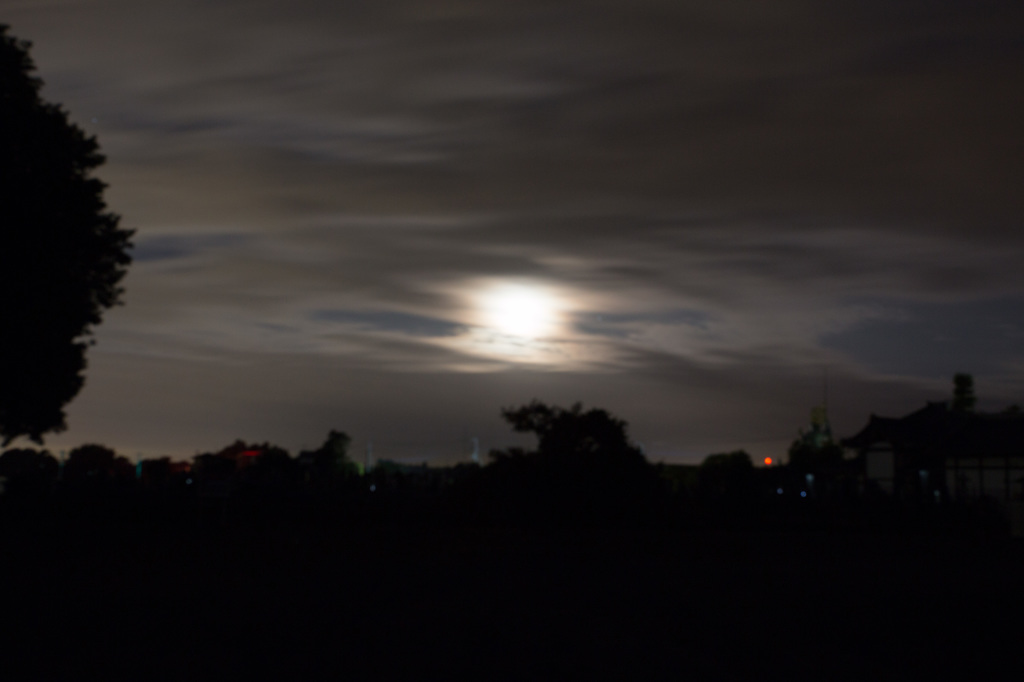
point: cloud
(174, 246)
(726, 195)
(864, 112)
(390, 321)
(933, 339)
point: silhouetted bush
(88, 464)
(329, 468)
(29, 474)
(583, 472)
(726, 476)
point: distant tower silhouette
(475, 457)
(821, 431)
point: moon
(521, 311)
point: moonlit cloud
(726, 198)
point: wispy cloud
(725, 199)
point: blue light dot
(803, 493)
(779, 491)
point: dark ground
(398, 602)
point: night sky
(394, 218)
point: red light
(767, 461)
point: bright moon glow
(517, 321)
(521, 311)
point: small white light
(188, 481)
(373, 487)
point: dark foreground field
(408, 603)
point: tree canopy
(726, 475)
(963, 392)
(62, 254)
(331, 460)
(584, 471)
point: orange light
(767, 461)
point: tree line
(584, 471)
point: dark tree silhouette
(62, 254)
(584, 471)
(91, 461)
(273, 464)
(573, 433)
(96, 467)
(807, 456)
(331, 460)
(963, 392)
(29, 473)
(214, 467)
(726, 476)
